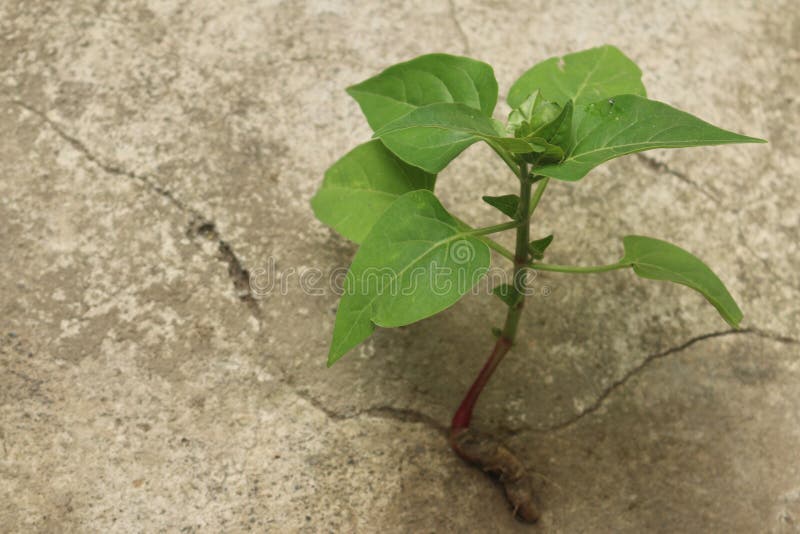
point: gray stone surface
(153, 150)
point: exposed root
(495, 458)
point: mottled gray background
(152, 150)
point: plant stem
(521, 254)
(579, 270)
(500, 249)
(463, 415)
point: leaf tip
(748, 139)
(735, 320)
(335, 353)
(333, 357)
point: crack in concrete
(201, 225)
(459, 28)
(110, 168)
(408, 415)
(383, 411)
(660, 166)
(774, 336)
(637, 369)
(238, 274)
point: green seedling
(570, 114)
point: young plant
(569, 115)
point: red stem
(463, 415)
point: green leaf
(507, 204)
(537, 247)
(583, 77)
(416, 261)
(625, 124)
(544, 123)
(551, 153)
(425, 80)
(558, 131)
(507, 294)
(432, 136)
(359, 187)
(532, 115)
(659, 260)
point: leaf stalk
(572, 269)
(494, 229)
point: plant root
(495, 458)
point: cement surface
(153, 151)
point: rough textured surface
(153, 152)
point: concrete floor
(153, 151)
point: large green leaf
(425, 80)
(628, 123)
(431, 136)
(659, 260)
(416, 261)
(583, 77)
(360, 186)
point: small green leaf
(554, 132)
(583, 77)
(425, 80)
(551, 153)
(497, 332)
(625, 124)
(507, 294)
(432, 136)
(533, 114)
(557, 132)
(659, 260)
(359, 187)
(416, 261)
(507, 204)
(537, 247)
